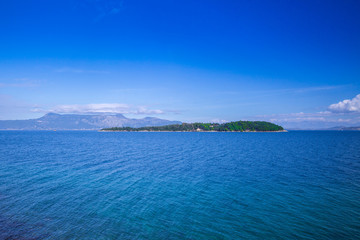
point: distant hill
(344, 128)
(337, 128)
(52, 121)
(239, 126)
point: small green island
(238, 126)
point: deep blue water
(93, 185)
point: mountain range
(341, 128)
(53, 121)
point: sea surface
(147, 185)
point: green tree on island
(239, 126)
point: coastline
(196, 131)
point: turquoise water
(93, 185)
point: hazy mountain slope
(341, 128)
(81, 122)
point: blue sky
(296, 63)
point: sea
(173, 185)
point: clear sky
(296, 63)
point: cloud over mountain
(100, 108)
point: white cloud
(143, 110)
(95, 108)
(216, 120)
(346, 106)
(77, 70)
(283, 91)
(317, 120)
(99, 108)
(21, 83)
(298, 119)
(346, 111)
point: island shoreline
(197, 131)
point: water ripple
(90, 185)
